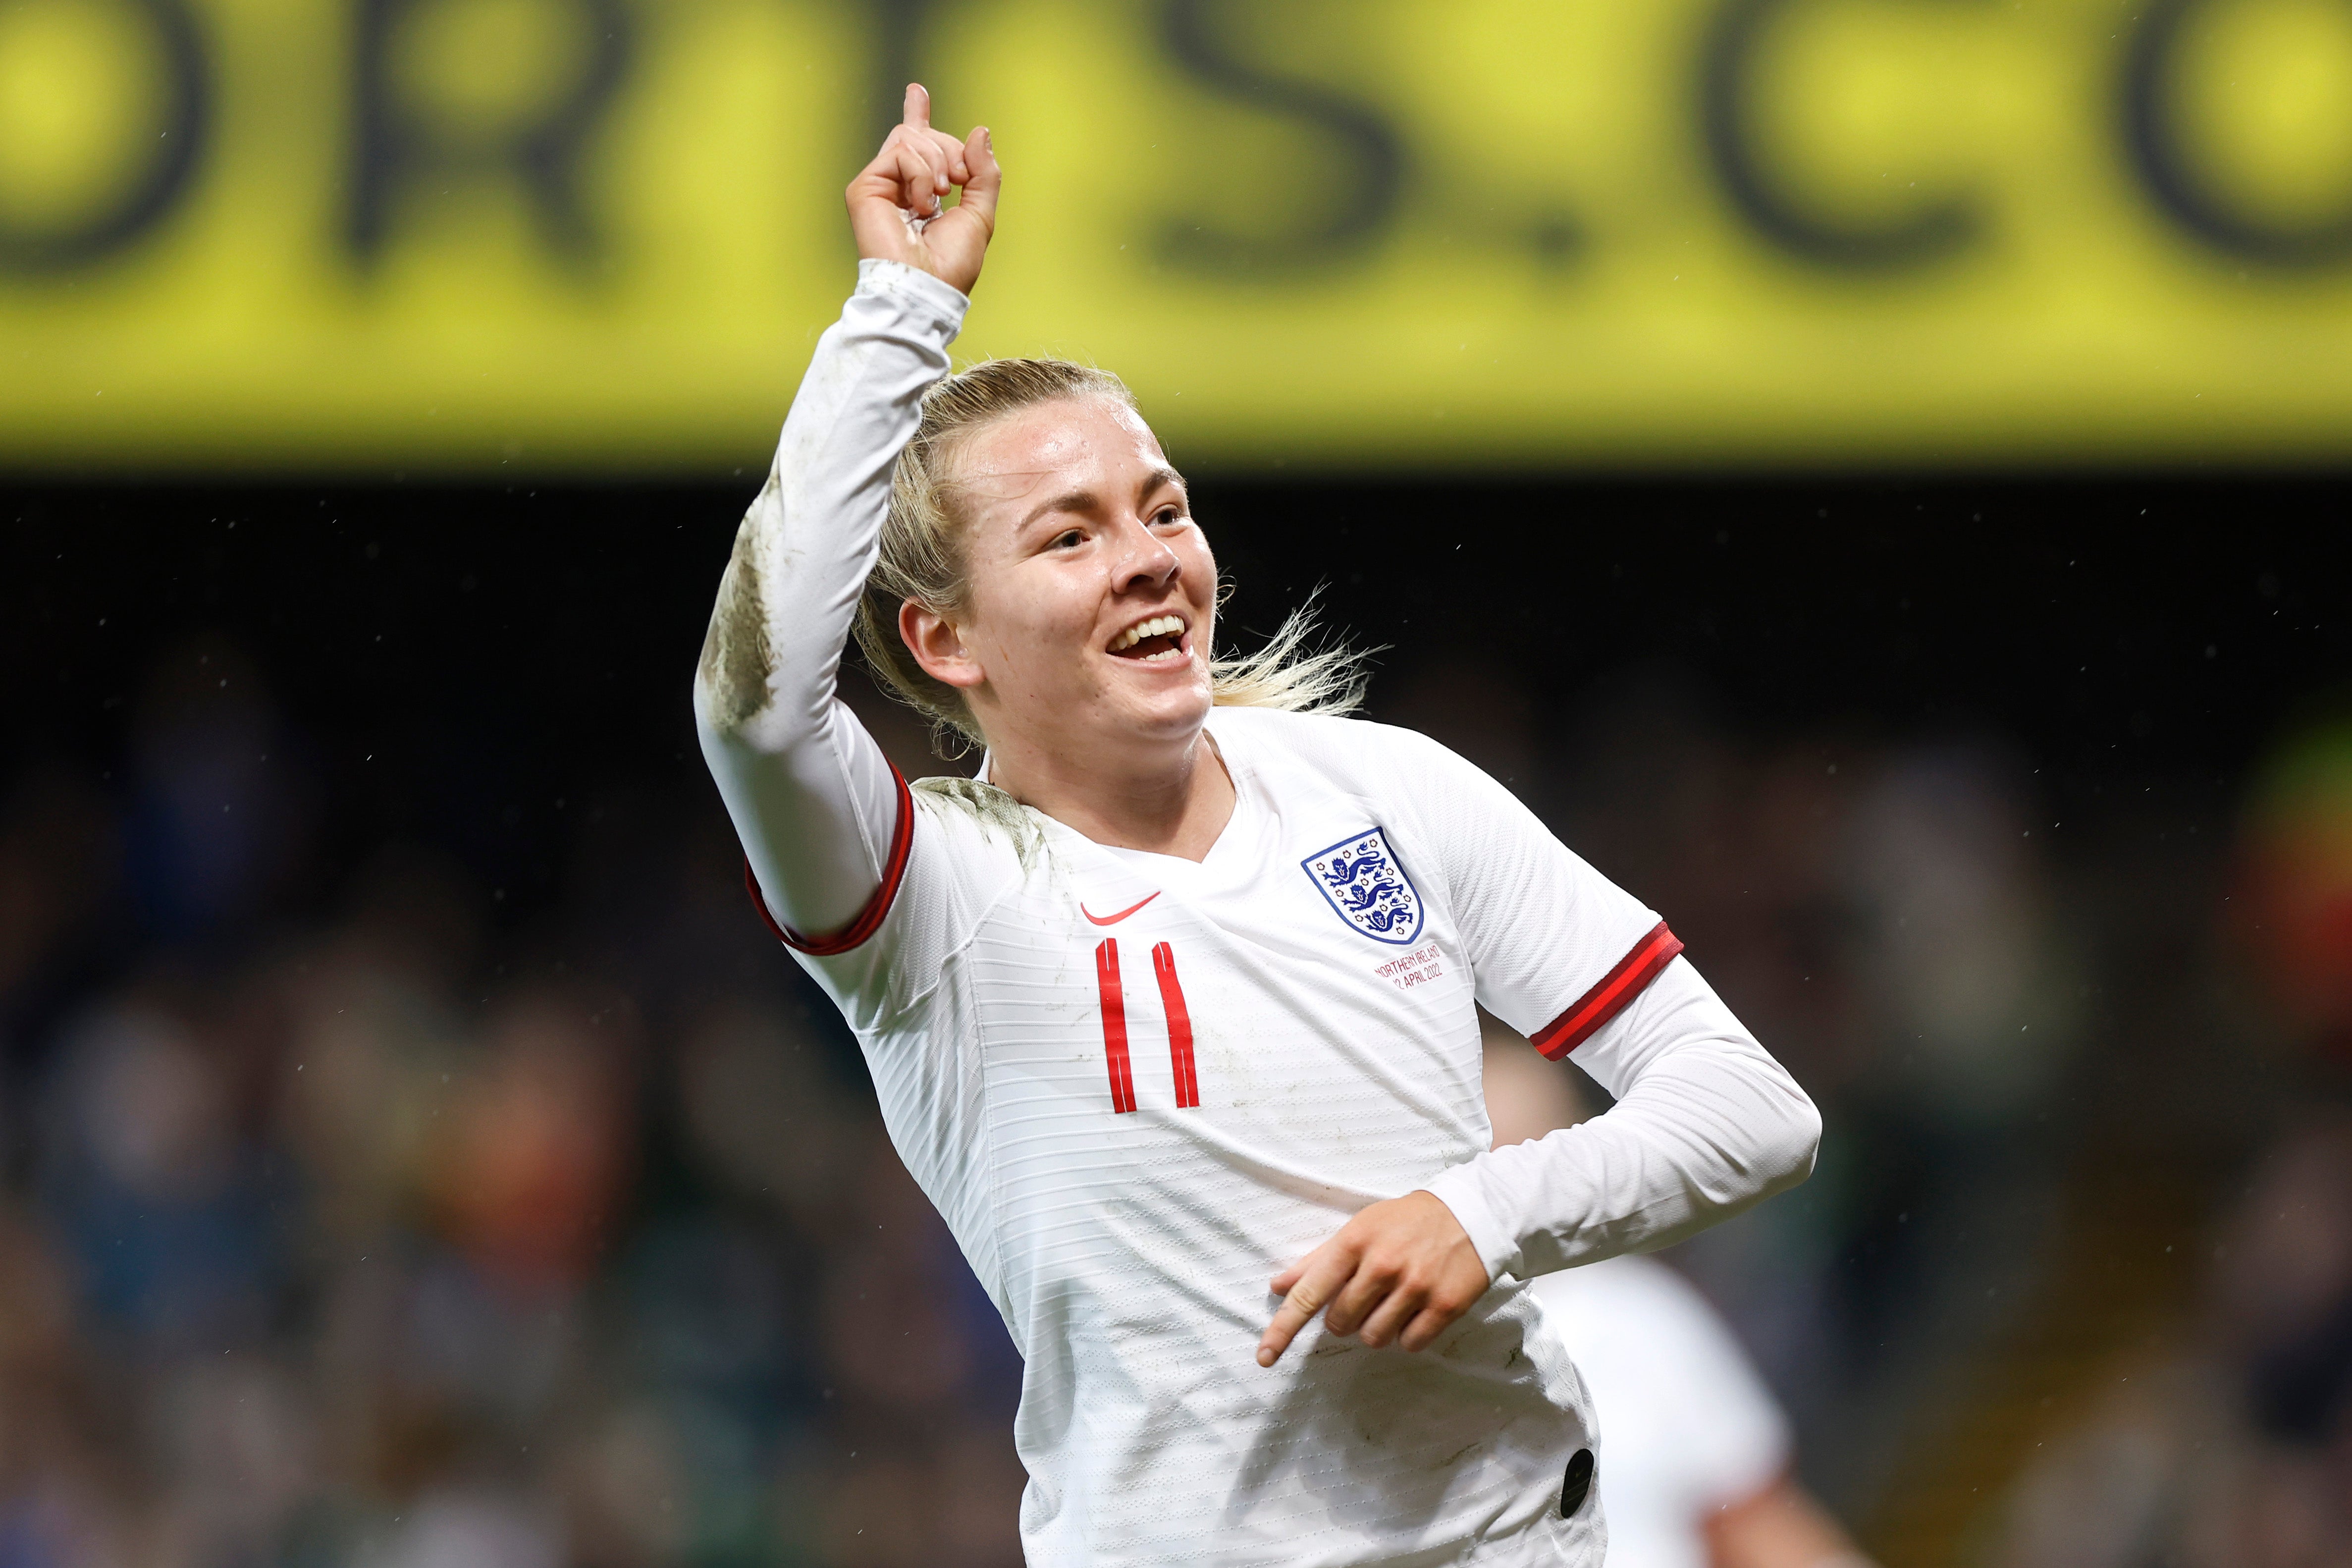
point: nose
(1145, 561)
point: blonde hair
(922, 558)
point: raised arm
(811, 795)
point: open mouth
(1154, 640)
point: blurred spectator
(922, 1391)
(535, 1149)
(59, 850)
(1957, 946)
(164, 1207)
(764, 1116)
(466, 1527)
(220, 809)
(356, 1243)
(394, 1227)
(2236, 1448)
(2291, 912)
(2238, 1454)
(1884, 918)
(63, 1489)
(1695, 1457)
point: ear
(938, 647)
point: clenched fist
(895, 209)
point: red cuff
(1592, 1010)
(870, 918)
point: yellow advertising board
(599, 236)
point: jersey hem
(1590, 1012)
(870, 918)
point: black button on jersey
(1577, 1484)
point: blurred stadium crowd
(351, 1218)
(386, 1237)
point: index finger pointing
(1320, 1282)
(917, 112)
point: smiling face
(1084, 633)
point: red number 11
(1114, 1026)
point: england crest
(1364, 882)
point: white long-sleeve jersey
(1136, 1085)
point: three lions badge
(1364, 882)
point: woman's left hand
(1400, 1270)
(895, 208)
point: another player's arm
(811, 795)
(1780, 1527)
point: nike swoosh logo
(1114, 920)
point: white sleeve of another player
(1705, 1123)
(1736, 1440)
(1640, 1331)
(825, 819)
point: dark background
(1712, 688)
(460, 658)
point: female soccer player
(1179, 997)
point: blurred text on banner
(600, 235)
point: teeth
(1159, 626)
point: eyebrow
(1081, 500)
